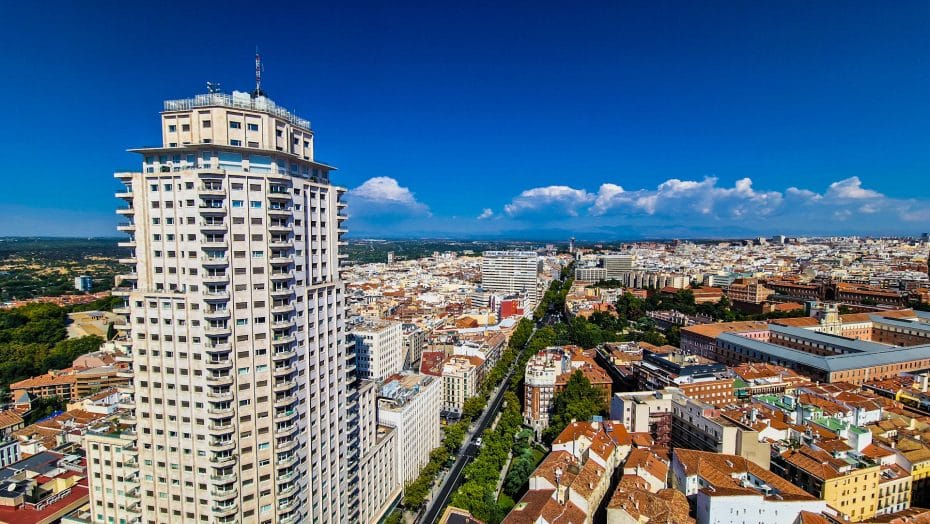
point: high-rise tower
(243, 402)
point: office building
(410, 403)
(242, 402)
(616, 266)
(379, 346)
(511, 272)
(83, 283)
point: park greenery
(33, 340)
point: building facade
(511, 272)
(379, 348)
(243, 409)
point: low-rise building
(460, 381)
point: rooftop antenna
(213, 87)
(258, 75)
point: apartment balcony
(209, 261)
(223, 478)
(124, 373)
(219, 380)
(128, 404)
(225, 511)
(288, 323)
(131, 243)
(219, 461)
(280, 356)
(290, 518)
(126, 211)
(287, 505)
(283, 371)
(341, 205)
(285, 416)
(280, 243)
(221, 427)
(129, 434)
(217, 331)
(218, 348)
(219, 446)
(282, 292)
(280, 259)
(127, 417)
(282, 275)
(288, 475)
(216, 314)
(287, 444)
(131, 260)
(288, 491)
(282, 309)
(122, 291)
(211, 190)
(123, 358)
(223, 494)
(281, 340)
(134, 493)
(214, 243)
(212, 210)
(213, 296)
(213, 225)
(127, 227)
(135, 507)
(280, 211)
(220, 395)
(221, 411)
(284, 385)
(286, 401)
(125, 194)
(280, 227)
(286, 430)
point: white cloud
(803, 194)
(851, 188)
(383, 194)
(565, 198)
(486, 213)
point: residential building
(700, 426)
(460, 381)
(242, 377)
(111, 462)
(729, 489)
(572, 481)
(511, 272)
(616, 266)
(379, 348)
(646, 412)
(414, 343)
(379, 485)
(748, 290)
(72, 383)
(590, 274)
(410, 403)
(542, 370)
(849, 487)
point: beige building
(379, 346)
(459, 381)
(410, 403)
(241, 373)
(113, 471)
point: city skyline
(618, 122)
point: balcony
(218, 331)
(219, 380)
(126, 211)
(288, 491)
(218, 364)
(282, 309)
(216, 314)
(280, 227)
(220, 395)
(221, 412)
(280, 210)
(285, 385)
(290, 518)
(215, 295)
(222, 460)
(288, 476)
(281, 292)
(125, 194)
(224, 494)
(285, 415)
(221, 427)
(219, 446)
(224, 511)
(214, 261)
(285, 431)
(280, 258)
(127, 227)
(211, 190)
(287, 444)
(213, 225)
(280, 356)
(282, 275)
(209, 210)
(222, 478)
(283, 371)
(128, 261)
(287, 505)
(282, 340)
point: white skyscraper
(510, 272)
(243, 402)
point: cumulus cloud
(564, 198)
(851, 188)
(803, 194)
(486, 213)
(384, 194)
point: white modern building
(379, 484)
(616, 266)
(410, 403)
(242, 379)
(379, 346)
(511, 272)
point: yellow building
(894, 490)
(853, 492)
(916, 457)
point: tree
(518, 476)
(578, 401)
(43, 407)
(472, 407)
(455, 434)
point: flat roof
(852, 344)
(831, 363)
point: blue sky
(484, 119)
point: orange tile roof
(719, 470)
(715, 330)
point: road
(471, 451)
(451, 482)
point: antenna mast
(258, 75)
